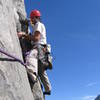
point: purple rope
(9, 55)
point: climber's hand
(27, 36)
(20, 34)
(44, 49)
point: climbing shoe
(47, 93)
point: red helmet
(35, 13)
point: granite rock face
(14, 84)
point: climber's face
(32, 20)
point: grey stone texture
(14, 84)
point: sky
(73, 30)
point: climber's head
(35, 16)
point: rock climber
(35, 57)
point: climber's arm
(35, 37)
